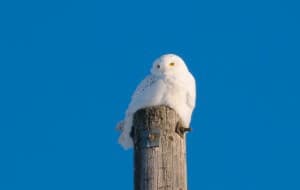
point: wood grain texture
(161, 167)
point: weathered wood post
(159, 150)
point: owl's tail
(125, 140)
(125, 127)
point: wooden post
(159, 150)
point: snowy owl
(170, 83)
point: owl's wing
(191, 93)
(142, 94)
(138, 100)
(143, 86)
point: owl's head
(168, 64)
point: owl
(170, 83)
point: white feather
(169, 85)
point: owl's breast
(175, 94)
(176, 97)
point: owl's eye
(172, 64)
(158, 66)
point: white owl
(170, 83)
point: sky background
(68, 69)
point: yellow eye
(172, 64)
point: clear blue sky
(68, 68)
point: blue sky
(68, 68)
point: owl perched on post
(170, 83)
